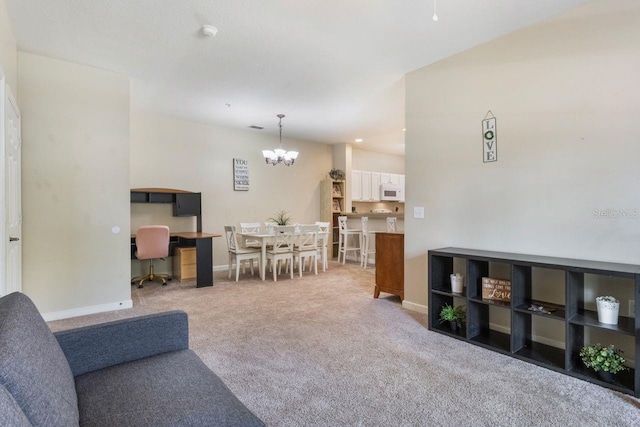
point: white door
(12, 203)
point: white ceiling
(334, 67)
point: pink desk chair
(152, 241)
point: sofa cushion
(33, 368)
(11, 414)
(169, 389)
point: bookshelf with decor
(539, 309)
(332, 205)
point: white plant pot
(457, 283)
(608, 312)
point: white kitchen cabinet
(402, 193)
(356, 186)
(375, 186)
(366, 186)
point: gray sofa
(132, 372)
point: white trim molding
(83, 311)
(415, 307)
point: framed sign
(489, 139)
(496, 289)
(240, 175)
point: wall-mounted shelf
(517, 338)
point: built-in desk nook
(185, 203)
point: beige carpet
(321, 351)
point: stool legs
(343, 246)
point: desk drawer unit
(184, 263)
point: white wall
(75, 185)
(172, 153)
(366, 160)
(8, 50)
(566, 95)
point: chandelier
(279, 155)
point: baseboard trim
(83, 311)
(221, 267)
(415, 307)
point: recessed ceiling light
(404, 129)
(359, 139)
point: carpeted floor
(321, 351)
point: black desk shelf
(185, 203)
(568, 317)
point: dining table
(265, 238)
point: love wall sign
(489, 139)
(496, 289)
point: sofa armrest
(107, 344)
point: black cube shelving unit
(517, 339)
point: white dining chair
(282, 249)
(250, 227)
(391, 224)
(270, 227)
(237, 253)
(306, 247)
(343, 240)
(368, 248)
(324, 228)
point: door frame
(3, 227)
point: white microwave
(390, 192)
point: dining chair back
(306, 247)
(250, 227)
(391, 224)
(324, 228)
(237, 253)
(343, 239)
(282, 249)
(270, 227)
(368, 248)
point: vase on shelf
(608, 308)
(457, 283)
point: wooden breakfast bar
(389, 264)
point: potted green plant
(281, 217)
(455, 315)
(605, 361)
(336, 173)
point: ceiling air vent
(256, 127)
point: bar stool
(367, 235)
(391, 224)
(343, 239)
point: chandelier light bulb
(279, 155)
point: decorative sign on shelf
(240, 175)
(496, 289)
(489, 138)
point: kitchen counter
(371, 215)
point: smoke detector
(209, 30)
